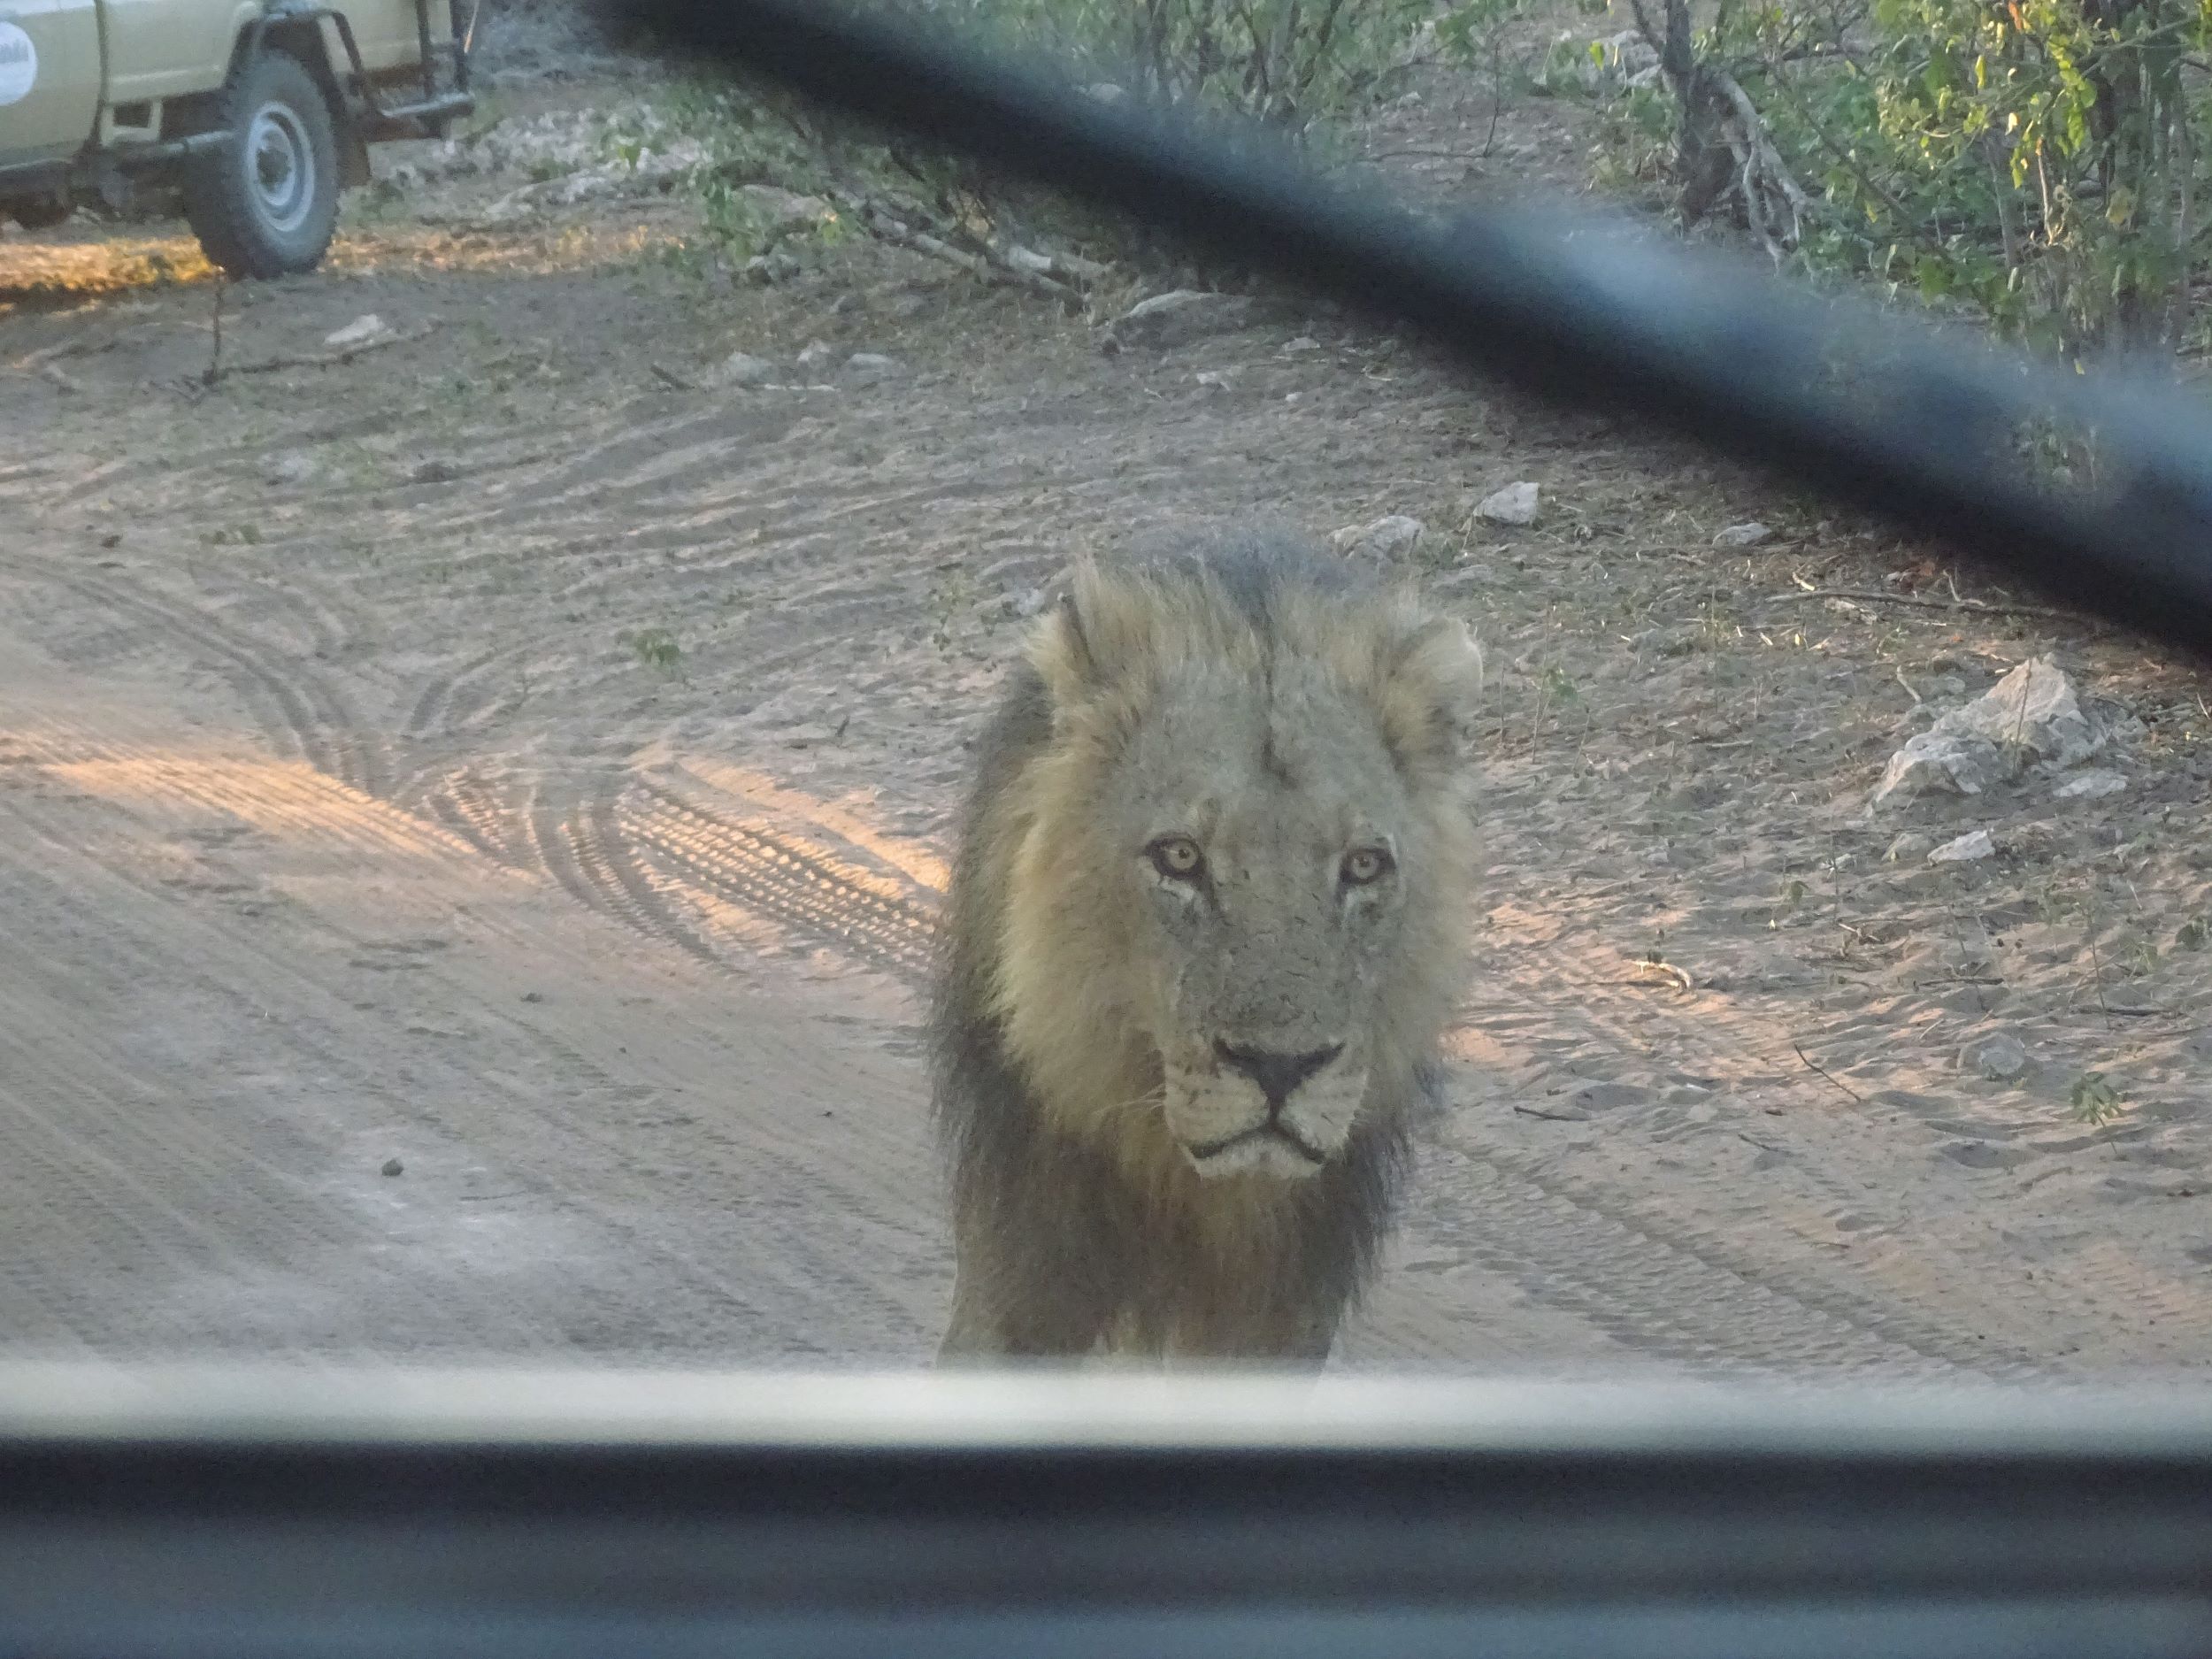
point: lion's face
(1238, 903)
(1264, 845)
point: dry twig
(1821, 1071)
(1921, 601)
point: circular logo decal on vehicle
(19, 64)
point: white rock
(1215, 380)
(1907, 847)
(293, 466)
(2090, 785)
(1750, 535)
(2032, 712)
(1968, 848)
(1935, 762)
(866, 368)
(1515, 503)
(2030, 715)
(582, 187)
(1385, 538)
(1622, 57)
(359, 332)
(741, 368)
(814, 354)
(1304, 343)
(787, 210)
(2000, 1058)
(1632, 51)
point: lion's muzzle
(1282, 1112)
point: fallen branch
(984, 261)
(329, 359)
(1920, 602)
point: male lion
(1205, 925)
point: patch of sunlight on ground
(88, 265)
(113, 264)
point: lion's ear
(1431, 691)
(1091, 641)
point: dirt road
(470, 819)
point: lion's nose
(1276, 1074)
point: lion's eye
(1365, 867)
(1176, 857)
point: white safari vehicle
(250, 113)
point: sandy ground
(470, 821)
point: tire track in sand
(305, 713)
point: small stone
(816, 353)
(1384, 538)
(2000, 1058)
(433, 470)
(393, 1166)
(1515, 503)
(787, 210)
(765, 270)
(869, 368)
(1909, 847)
(1216, 380)
(1744, 535)
(1968, 848)
(741, 368)
(2093, 785)
(533, 996)
(293, 466)
(1304, 343)
(359, 332)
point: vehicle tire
(266, 203)
(34, 214)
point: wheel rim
(280, 167)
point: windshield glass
(644, 724)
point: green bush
(2037, 160)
